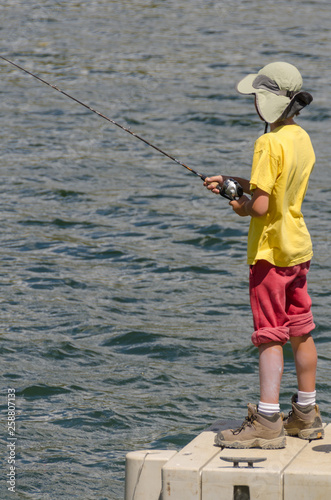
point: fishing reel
(231, 189)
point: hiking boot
(257, 431)
(304, 421)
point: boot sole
(264, 444)
(308, 434)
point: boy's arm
(257, 206)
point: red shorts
(280, 302)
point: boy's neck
(288, 121)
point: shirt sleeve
(265, 166)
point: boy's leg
(271, 365)
(304, 420)
(305, 357)
(268, 302)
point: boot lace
(248, 422)
(285, 419)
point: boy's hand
(239, 206)
(212, 183)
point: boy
(279, 251)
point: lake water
(125, 318)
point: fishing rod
(230, 189)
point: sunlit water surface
(124, 305)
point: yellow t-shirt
(282, 163)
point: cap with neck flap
(277, 87)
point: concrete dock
(202, 471)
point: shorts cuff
(270, 334)
(301, 324)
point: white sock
(306, 398)
(268, 408)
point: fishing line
(224, 191)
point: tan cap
(277, 88)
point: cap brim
(245, 86)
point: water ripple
(125, 311)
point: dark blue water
(124, 300)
